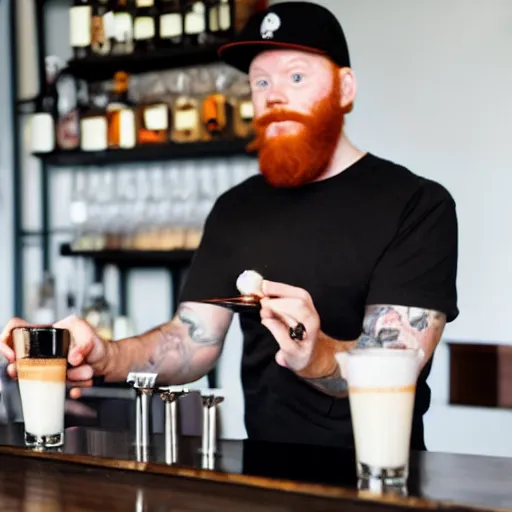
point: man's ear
(348, 88)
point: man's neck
(345, 155)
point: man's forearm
(180, 351)
(383, 325)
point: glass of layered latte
(381, 388)
(41, 363)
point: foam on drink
(382, 384)
(42, 385)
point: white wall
(434, 94)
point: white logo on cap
(271, 22)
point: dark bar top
(100, 470)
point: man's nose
(276, 98)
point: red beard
(292, 160)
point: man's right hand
(88, 353)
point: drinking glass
(381, 388)
(41, 363)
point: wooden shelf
(154, 152)
(98, 68)
(133, 259)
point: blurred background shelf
(147, 153)
(133, 258)
(97, 68)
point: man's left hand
(284, 307)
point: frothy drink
(41, 362)
(382, 385)
(43, 392)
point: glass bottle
(120, 114)
(123, 28)
(80, 15)
(43, 122)
(170, 25)
(102, 29)
(93, 121)
(153, 111)
(145, 26)
(194, 16)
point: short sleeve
(419, 266)
(208, 275)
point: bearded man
(355, 250)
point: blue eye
(297, 78)
(261, 83)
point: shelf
(133, 259)
(97, 68)
(147, 153)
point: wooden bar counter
(100, 470)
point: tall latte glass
(381, 387)
(41, 362)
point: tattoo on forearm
(332, 384)
(196, 327)
(385, 326)
(174, 340)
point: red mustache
(277, 116)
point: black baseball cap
(289, 25)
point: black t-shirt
(374, 234)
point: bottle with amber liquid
(123, 27)
(152, 112)
(102, 27)
(194, 19)
(120, 115)
(145, 26)
(170, 26)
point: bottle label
(213, 19)
(127, 136)
(93, 133)
(145, 3)
(144, 28)
(109, 25)
(156, 117)
(224, 16)
(246, 110)
(123, 27)
(80, 26)
(42, 133)
(171, 25)
(186, 119)
(195, 20)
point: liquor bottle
(68, 121)
(145, 26)
(43, 122)
(153, 112)
(220, 16)
(102, 31)
(170, 24)
(123, 27)
(243, 110)
(194, 15)
(120, 115)
(93, 121)
(80, 15)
